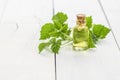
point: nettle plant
(53, 34)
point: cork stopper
(80, 19)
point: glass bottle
(80, 34)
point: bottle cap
(80, 18)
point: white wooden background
(20, 23)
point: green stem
(65, 44)
(67, 36)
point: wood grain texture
(27, 11)
(3, 6)
(112, 11)
(19, 58)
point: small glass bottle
(80, 34)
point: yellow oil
(80, 37)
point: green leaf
(100, 31)
(64, 28)
(54, 32)
(68, 32)
(53, 40)
(89, 21)
(46, 30)
(42, 46)
(95, 39)
(56, 46)
(65, 32)
(91, 41)
(57, 24)
(59, 18)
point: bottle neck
(80, 23)
(80, 20)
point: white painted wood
(26, 11)
(3, 5)
(19, 58)
(102, 63)
(112, 9)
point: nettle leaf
(91, 41)
(53, 40)
(89, 21)
(54, 32)
(42, 46)
(60, 17)
(56, 46)
(46, 30)
(68, 32)
(65, 32)
(93, 36)
(100, 31)
(64, 28)
(57, 24)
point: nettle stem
(67, 43)
(67, 37)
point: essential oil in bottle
(80, 34)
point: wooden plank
(26, 11)
(113, 14)
(19, 58)
(3, 6)
(101, 63)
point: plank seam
(55, 62)
(4, 8)
(108, 22)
